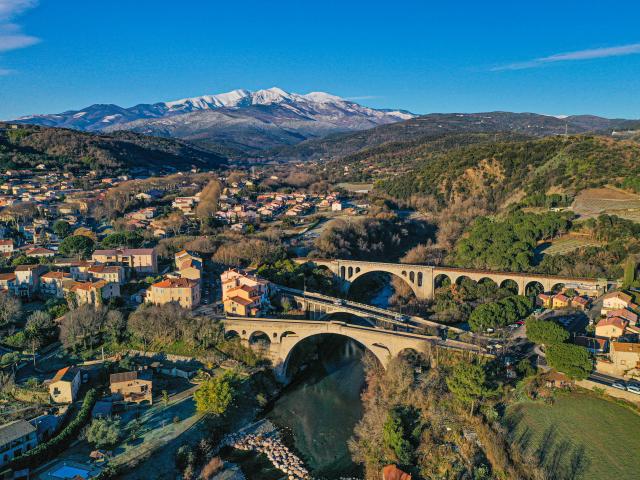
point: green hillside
(478, 165)
(60, 149)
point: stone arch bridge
(285, 334)
(423, 278)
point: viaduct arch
(284, 335)
(422, 278)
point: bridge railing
(387, 314)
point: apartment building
(16, 438)
(184, 291)
(141, 260)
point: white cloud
(11, 35)
(12, 8)
(589, 54)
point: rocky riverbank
(265, 438)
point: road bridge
(322, 307)
(423, 279)
(282, 336)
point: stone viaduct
(283, 335)
(423, 279)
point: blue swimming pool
(67, 471)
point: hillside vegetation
(498, 170)
(62, 149)
(432, 125)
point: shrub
(48, 450)
(546, 332)
(572, 360)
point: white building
(16, 438)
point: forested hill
(477, 165)
(60, 149)
(438, 124)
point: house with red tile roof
(184, 291)
(65, 385)
(624, 313)
(141, 260)
(8, 282)
(611, 327)
(615, 301)
(52, 283)
(40, 252)
(391, 472)
(92, 293)
(6, 246)
(625, 356)
(561, 301)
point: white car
(634, 389)
(619, 385)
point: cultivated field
(355, 187)
(595, 201)
(566, 244)
(580, 436)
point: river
(319, 410)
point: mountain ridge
(245, 119)
(436, 124)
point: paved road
(603, 378)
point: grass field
(355, 187)
(566, 244)
(579, 437)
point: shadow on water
(320, 408)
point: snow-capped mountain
(242, 119)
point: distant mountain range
(435, 125)
(241, 120)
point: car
(489, 330)
(338, 301)
(634, 389)
(403, 318)
(619, 384)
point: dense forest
(61, 149)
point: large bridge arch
(413, 279)
(286, 334)
(423, 279)
(380, 351)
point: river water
(319, 410)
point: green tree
(216, 394)
(77, 246)
(468, 383)
(24, 260)
(546, 332)
(135, 429)
(122, 239)
(9, 359)
(397, 437)
(630, 267)
(570, 359)
(61, 228)
(40, 328)
(104, 432)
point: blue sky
(567, 57)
